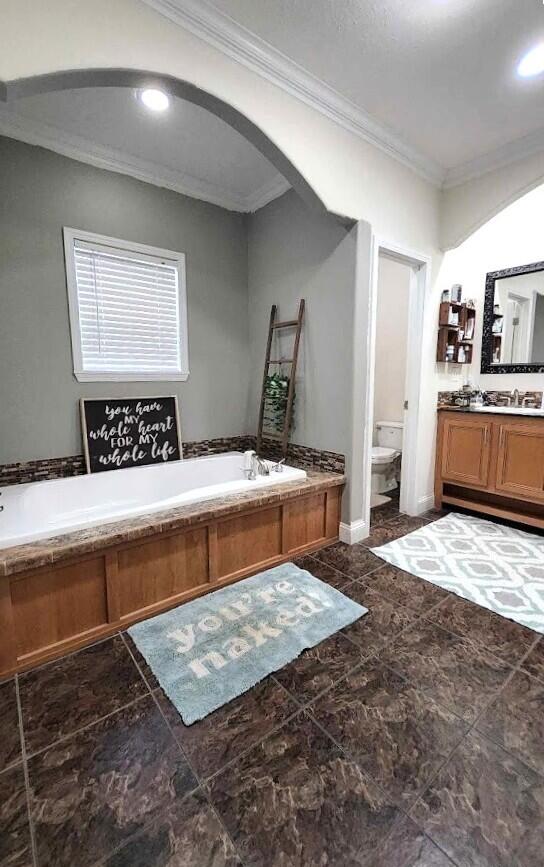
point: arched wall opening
(510, 238)
(468, 207)
(299, 249)
(75, 79)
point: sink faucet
(514, 397)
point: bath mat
(497, 567)
(206, 652)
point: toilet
(385, 456)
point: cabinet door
(520, 460)
(466, 451)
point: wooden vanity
(491, 463)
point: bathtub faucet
(254, 466)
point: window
(128, 309)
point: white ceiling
(185, 148)
(438, 75)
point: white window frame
(178, 259)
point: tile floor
(414, 738)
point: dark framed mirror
(513, 325)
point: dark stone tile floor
(413, 738)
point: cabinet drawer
(520, 460)
(466, 451)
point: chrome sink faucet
(514, 397)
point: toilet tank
(390, 434)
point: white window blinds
(129, 310)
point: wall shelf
(455, 338)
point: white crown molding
(509, 153)
(240, 44)
(267, 193)
(76, 147)
(237, 42)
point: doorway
(390, 356)
(410, 270)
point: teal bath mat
(205, 653)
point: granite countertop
(523, 411)
(53, 549)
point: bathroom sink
(510, 410)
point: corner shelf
(458, 335)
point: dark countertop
(53, 549)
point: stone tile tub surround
(61, 468)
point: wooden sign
(129, 432)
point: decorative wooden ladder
(282, 436)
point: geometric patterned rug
(497, 567)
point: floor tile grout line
(205, 779)
(202, 781)
(85, 728)
(33, 844)
(197, 777)
(135, 661)
(63, 656)
(472, 641)
(323, 563)
(375, 659)
(63, 738)
(253, 746)
(473, 724)
(306, 708)
(475, 641)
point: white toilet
(385, 456)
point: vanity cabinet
(466, 452)
(520, 460)
(491, 463)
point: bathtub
(41, 509)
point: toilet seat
(382, 455)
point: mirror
(513, 329)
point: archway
(133, 78)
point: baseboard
(354, 532)
(425, 503)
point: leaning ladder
(282, 436)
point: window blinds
(128, 310)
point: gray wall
(41, 192)
(294, 253)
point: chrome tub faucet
(254, 466)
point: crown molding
(81, 149)
(240, 44)
(267, 193)
(506, 155)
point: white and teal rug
(206, 652)
(497, 567)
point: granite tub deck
(62, 592)
(411, 739)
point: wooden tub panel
(52, 606)
(248, 540)
(161, 569)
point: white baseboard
(425, 503)
(354, 532)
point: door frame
(420, 284)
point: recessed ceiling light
(156, 100)
(532, 63)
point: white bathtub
(41, 509)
